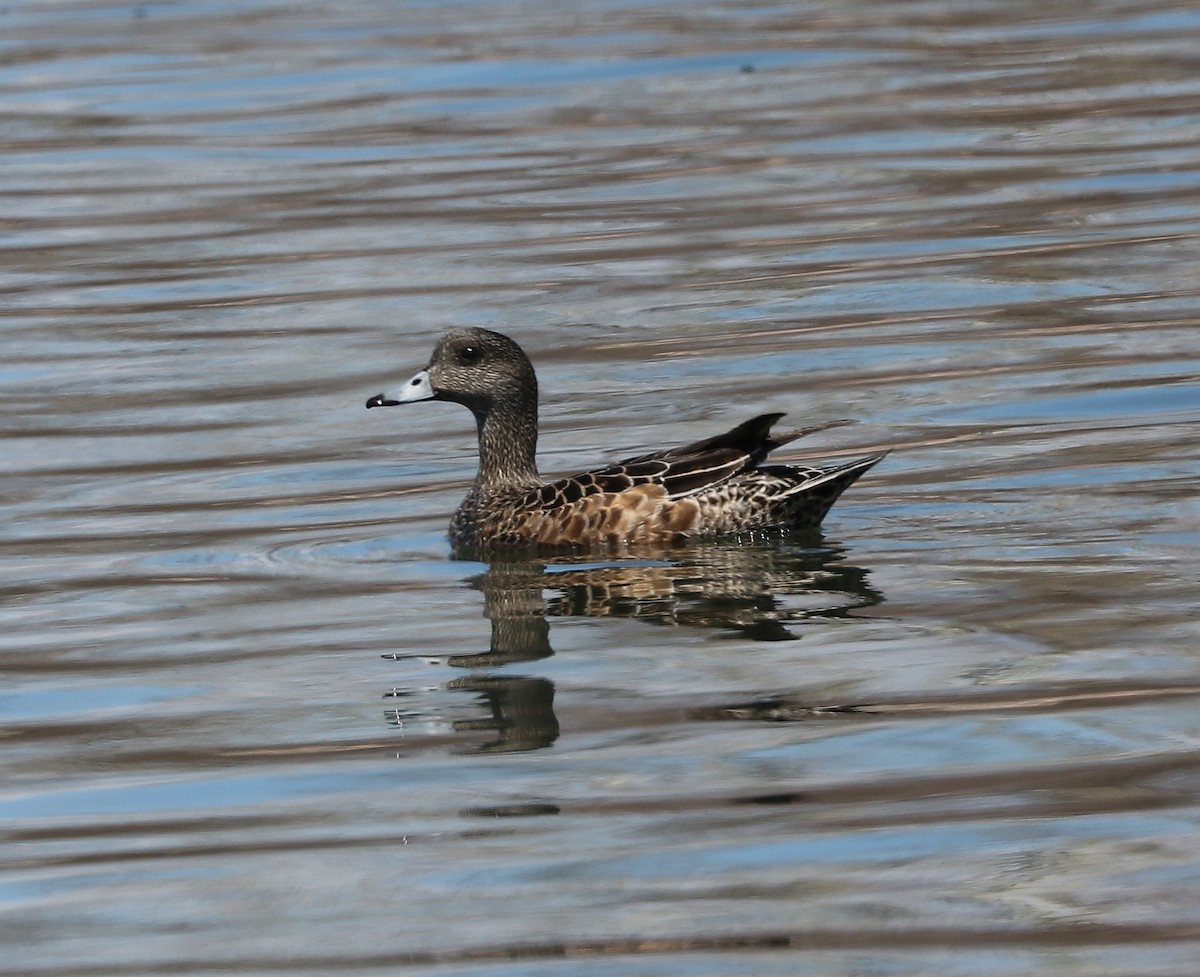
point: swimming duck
(713, 487)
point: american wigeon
(713, 487)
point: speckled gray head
(478, 368)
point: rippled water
(256, 720)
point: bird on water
(714, 487)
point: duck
(718, 486)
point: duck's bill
(418, 388)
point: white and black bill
(418, 388)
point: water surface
(255, 717)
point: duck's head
(477, 368)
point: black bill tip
(381, 400)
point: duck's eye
(469, 354)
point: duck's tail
(819, 488)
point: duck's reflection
(759, 589)
(744, 591)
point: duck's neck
(507, 447)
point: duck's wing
(662, 495)
(751, 438)
(684, 470)
(705, 464)
(667, 477)
(692, 467)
